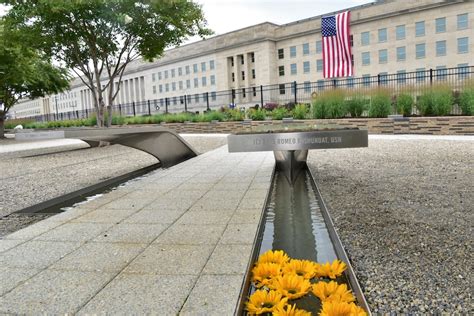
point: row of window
(187, 70)
(242, 75)
(420, 29)
(305, 50)
(242, 60)
(189, 99)
(180, 85)
(420, 51)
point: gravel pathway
(404, 212)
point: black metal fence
(293, 92)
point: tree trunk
(2, 126)
(109, 118)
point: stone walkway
(175, 242)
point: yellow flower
(263, 273)
(304, 268)
(332, 270)
(277, 256)
(291, 285)
(334, 308)
(289, 310)
(262, 302)
(331, 291)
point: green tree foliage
(24, 72)
(98, 39)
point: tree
(24, 72)
(97, 39)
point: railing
(413, 82)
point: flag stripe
(336, 46)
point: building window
(195, 68)
(293, 51)
(306, 49)
(252, 57)
(175, 101)
(420, 51)
(420, 28)
(196, 82)
(463, 71)
(233, 77)
(243, 93)
(213, 96)
(188, 84)
(383, 76)
(242, 59)
(307, 87)
(180, 71)
(253, 73)
(173, 86)
(440, 25)
(282, 88)
(153, 77)
(204, 81)
(154, 89)
(383, 56)
(462, 21)
(190, 99)
(213, 80)
(203, 66)
(401, 76)
(281, 70)
(196, 98)
(180, 85)
(400, 32)
(320, 84)
(243, 75)
(441, 48)
(166, 74)
(420, 74)
(306, 67)
(463, 45)
(441, 72)
(167, 87)
(382, 35)
(293, 69)
(401, 53)
(173, 73)
(232, 61)
(319, 47)
(319, 65)
(365, 38)
(159, 75)
(254, 91)
(366, 80)
(281, 53)
(160, 88)
(366, 58)
(211, 64)
(187, 70)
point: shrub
(329, 104)
(300, 111)
(270, 106)
(279, 113)
(380, 104)
(257, 115)
(437, 100)
(357, 105)
(235, 115)
(466, 101)
(118, 120)
(404, 104)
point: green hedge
(466, 101)
(436, 101)
(380, 104)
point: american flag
(336, 45)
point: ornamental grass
(282, 281)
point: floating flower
(264, 273)
(262, 302)
(334, 308)
(330, 270)
(289, 310)
(331, 291)
(304, 268)
(277, 256)
(291, 285)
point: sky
(229, 15)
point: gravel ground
(404, 212)
(32, 176)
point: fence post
(261, 95)
(233, 96)
(378, 80)
(207, 101)
(295, 86)
(133, 105)
(185, 103)
(431, 76)
(166, 105)
(77, 114)
(149, 110)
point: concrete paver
(177, 241)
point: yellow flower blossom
(331, 291)
(334, 308)
(289, 310)
(263, 301)
(264, 273)
(291, 285)
(330, 270)
(304, 268)
(276, 256)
